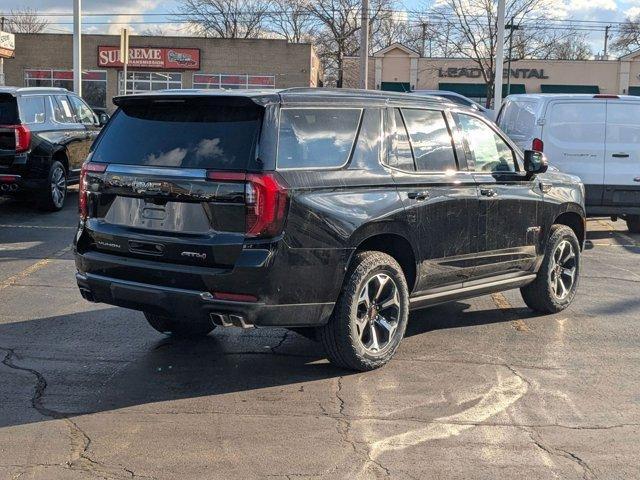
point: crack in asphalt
(80, 441)
(587, 471)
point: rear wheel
(633, 223)
(557, 281)
(370, 317)
(180, 327)
(56, 188)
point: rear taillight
(82, 196)
(266, 201)
(23, 137)
(537, 145)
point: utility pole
(364, 45)
(77, 47)
(499, 60)
(606, 39)
(512, 28)
(424, 38)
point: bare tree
(575, 47)
(627, 38)
(157, 31)
(468, 29)
(338, 25)
(225, 18)
(292, 20)
(25, 20)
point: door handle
(418, 195)
(620, 155)
(488, 192)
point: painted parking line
(33, 268)
(51, 227)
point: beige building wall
(394, 64)
(293, 65)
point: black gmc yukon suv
(45, 135)
(329, 212)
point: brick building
(161, 62)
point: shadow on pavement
(109, 359)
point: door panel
(443, 211)
(441, 206)
(574, 141)
(622, 156)
(508, 207)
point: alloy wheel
(378, 312)
(562, 274)
(58, 186)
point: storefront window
(217, 80)
(94, 83)
(138, 82)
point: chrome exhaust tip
(233, 320)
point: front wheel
(56, 188)
(633, 223)
(180, 327)
(370, 316)
(557, 282)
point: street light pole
(77, 47)
(499, 60)
(364, 44)
(512, 28)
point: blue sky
(590, 10)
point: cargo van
(596, 137)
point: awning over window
(634, 91)
(479, 90)
(395, 86)
(570, 89)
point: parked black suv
(45, 135)
(332, 212)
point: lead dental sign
(454, 72)
(151, 57)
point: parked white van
(596, 137)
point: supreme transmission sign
(151, 57)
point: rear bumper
(193, 304)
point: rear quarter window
(518, 119)
(32, 109)
(316, 137)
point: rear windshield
(8, 110)
(192, 133)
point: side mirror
(535, 162)
(103, 118)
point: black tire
(541, 295)
(180, 327)
(633, 223)
(56, 182)
(341, 338)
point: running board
(430, 299)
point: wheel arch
(396, 246)
(576, 222)
(61, 156)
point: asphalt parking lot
(480, 389)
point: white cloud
(632, 12)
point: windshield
(190, 133)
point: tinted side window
(430, 140)
(316, 137)
(488, 151)
(83, 113)
(62, 111)
(8, 110)
(400, 155)
(32, 109)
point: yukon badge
(199, 256)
